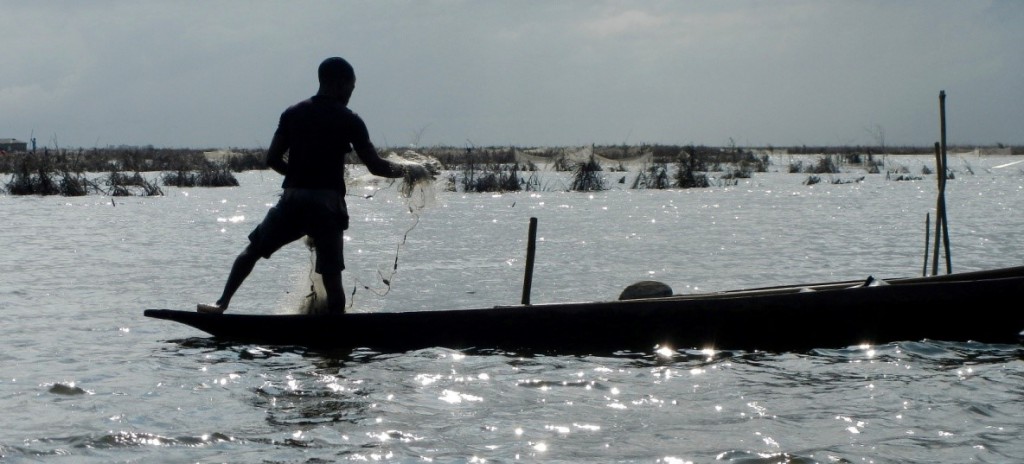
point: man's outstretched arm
(368, 153)
(378, 166)
(374, 163)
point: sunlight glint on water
(82, 373)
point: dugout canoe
(979, 306)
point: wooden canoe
(972, 306)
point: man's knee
(250, 253)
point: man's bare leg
(335, 293)
(243, 266)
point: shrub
(33, 175)
(586, 176)
(825, 165)
(655, 177)
(211, 175)
(689, 170)
(75, 185)
(495, 178)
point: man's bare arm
(375, 164)
(275, 155)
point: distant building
(12, 145)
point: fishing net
(416, 186)
(416, 190)
(572, 156)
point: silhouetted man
(309, 148)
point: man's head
(337, 78)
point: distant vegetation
(120, 171)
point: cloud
(212, 74)
(619, 23)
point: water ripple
(85, 378)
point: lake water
(84, 377)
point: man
(315, 133)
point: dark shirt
(316, 133)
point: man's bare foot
(210, 308)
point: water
(85, 378)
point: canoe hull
(757, 320)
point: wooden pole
(927, 240)
(531, 248)
(939, 169)
(942, 189)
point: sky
(218, 73)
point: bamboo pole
(942, 189)
(941, 219)
(531, 247)
(939, 169)
(927, 240)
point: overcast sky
(217, 74)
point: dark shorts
(320, 214)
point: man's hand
(415, 172)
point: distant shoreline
(219, 153)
